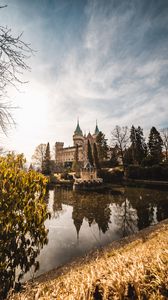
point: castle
(65, 155)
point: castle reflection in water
(84, 221)
(128, 209)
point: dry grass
(134, 269)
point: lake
(83, 221)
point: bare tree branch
(120, 137)
(38, 156)
(13, 55)
(164, 135)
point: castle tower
(58, 151)
(78, 137)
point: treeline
(155, 172)
(132, 148)
(129, 147)
(141, 159)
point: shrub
(22, 215)
(66, 176)
(111, 177)
(155, 172)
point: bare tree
(13, 55)
(120, 137)
(164, 135)
(39, 155)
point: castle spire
(96, 129)
(78, 130)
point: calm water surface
(82, 221)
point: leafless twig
(13, 55)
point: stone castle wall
(67, 154)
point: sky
(96, 60)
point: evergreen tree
(102, 147)
(75, 165)
(138, 145)
(155, 145)
(89, 154)
(46, 169)
(128, 156)
(31, 167)
(133, 143)
(95, 157)
(141, 147)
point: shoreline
(138, 183)
(144, 238)
(146, 183)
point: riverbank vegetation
(156, 172)
(134, 268)
(22, 215)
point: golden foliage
(22, 215)
(137, 270)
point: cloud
(101, 81)
(104, 60)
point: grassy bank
(133, 268)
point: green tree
(75, 165)
(95, 157)
(89, 153)
(141, 147)
(128, 156)
(138, 145)
(155, 145)
(133, 143)
(22, 215)
(31, 167)
(46, 169)
(102, 147)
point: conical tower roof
(96, 129)
(89, 136)
(78, 130)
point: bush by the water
(156, 172)
(111, 175)
(66, 176)
(22, 215)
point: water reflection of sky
(81, 222)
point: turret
(58, 151)
(78, 137)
